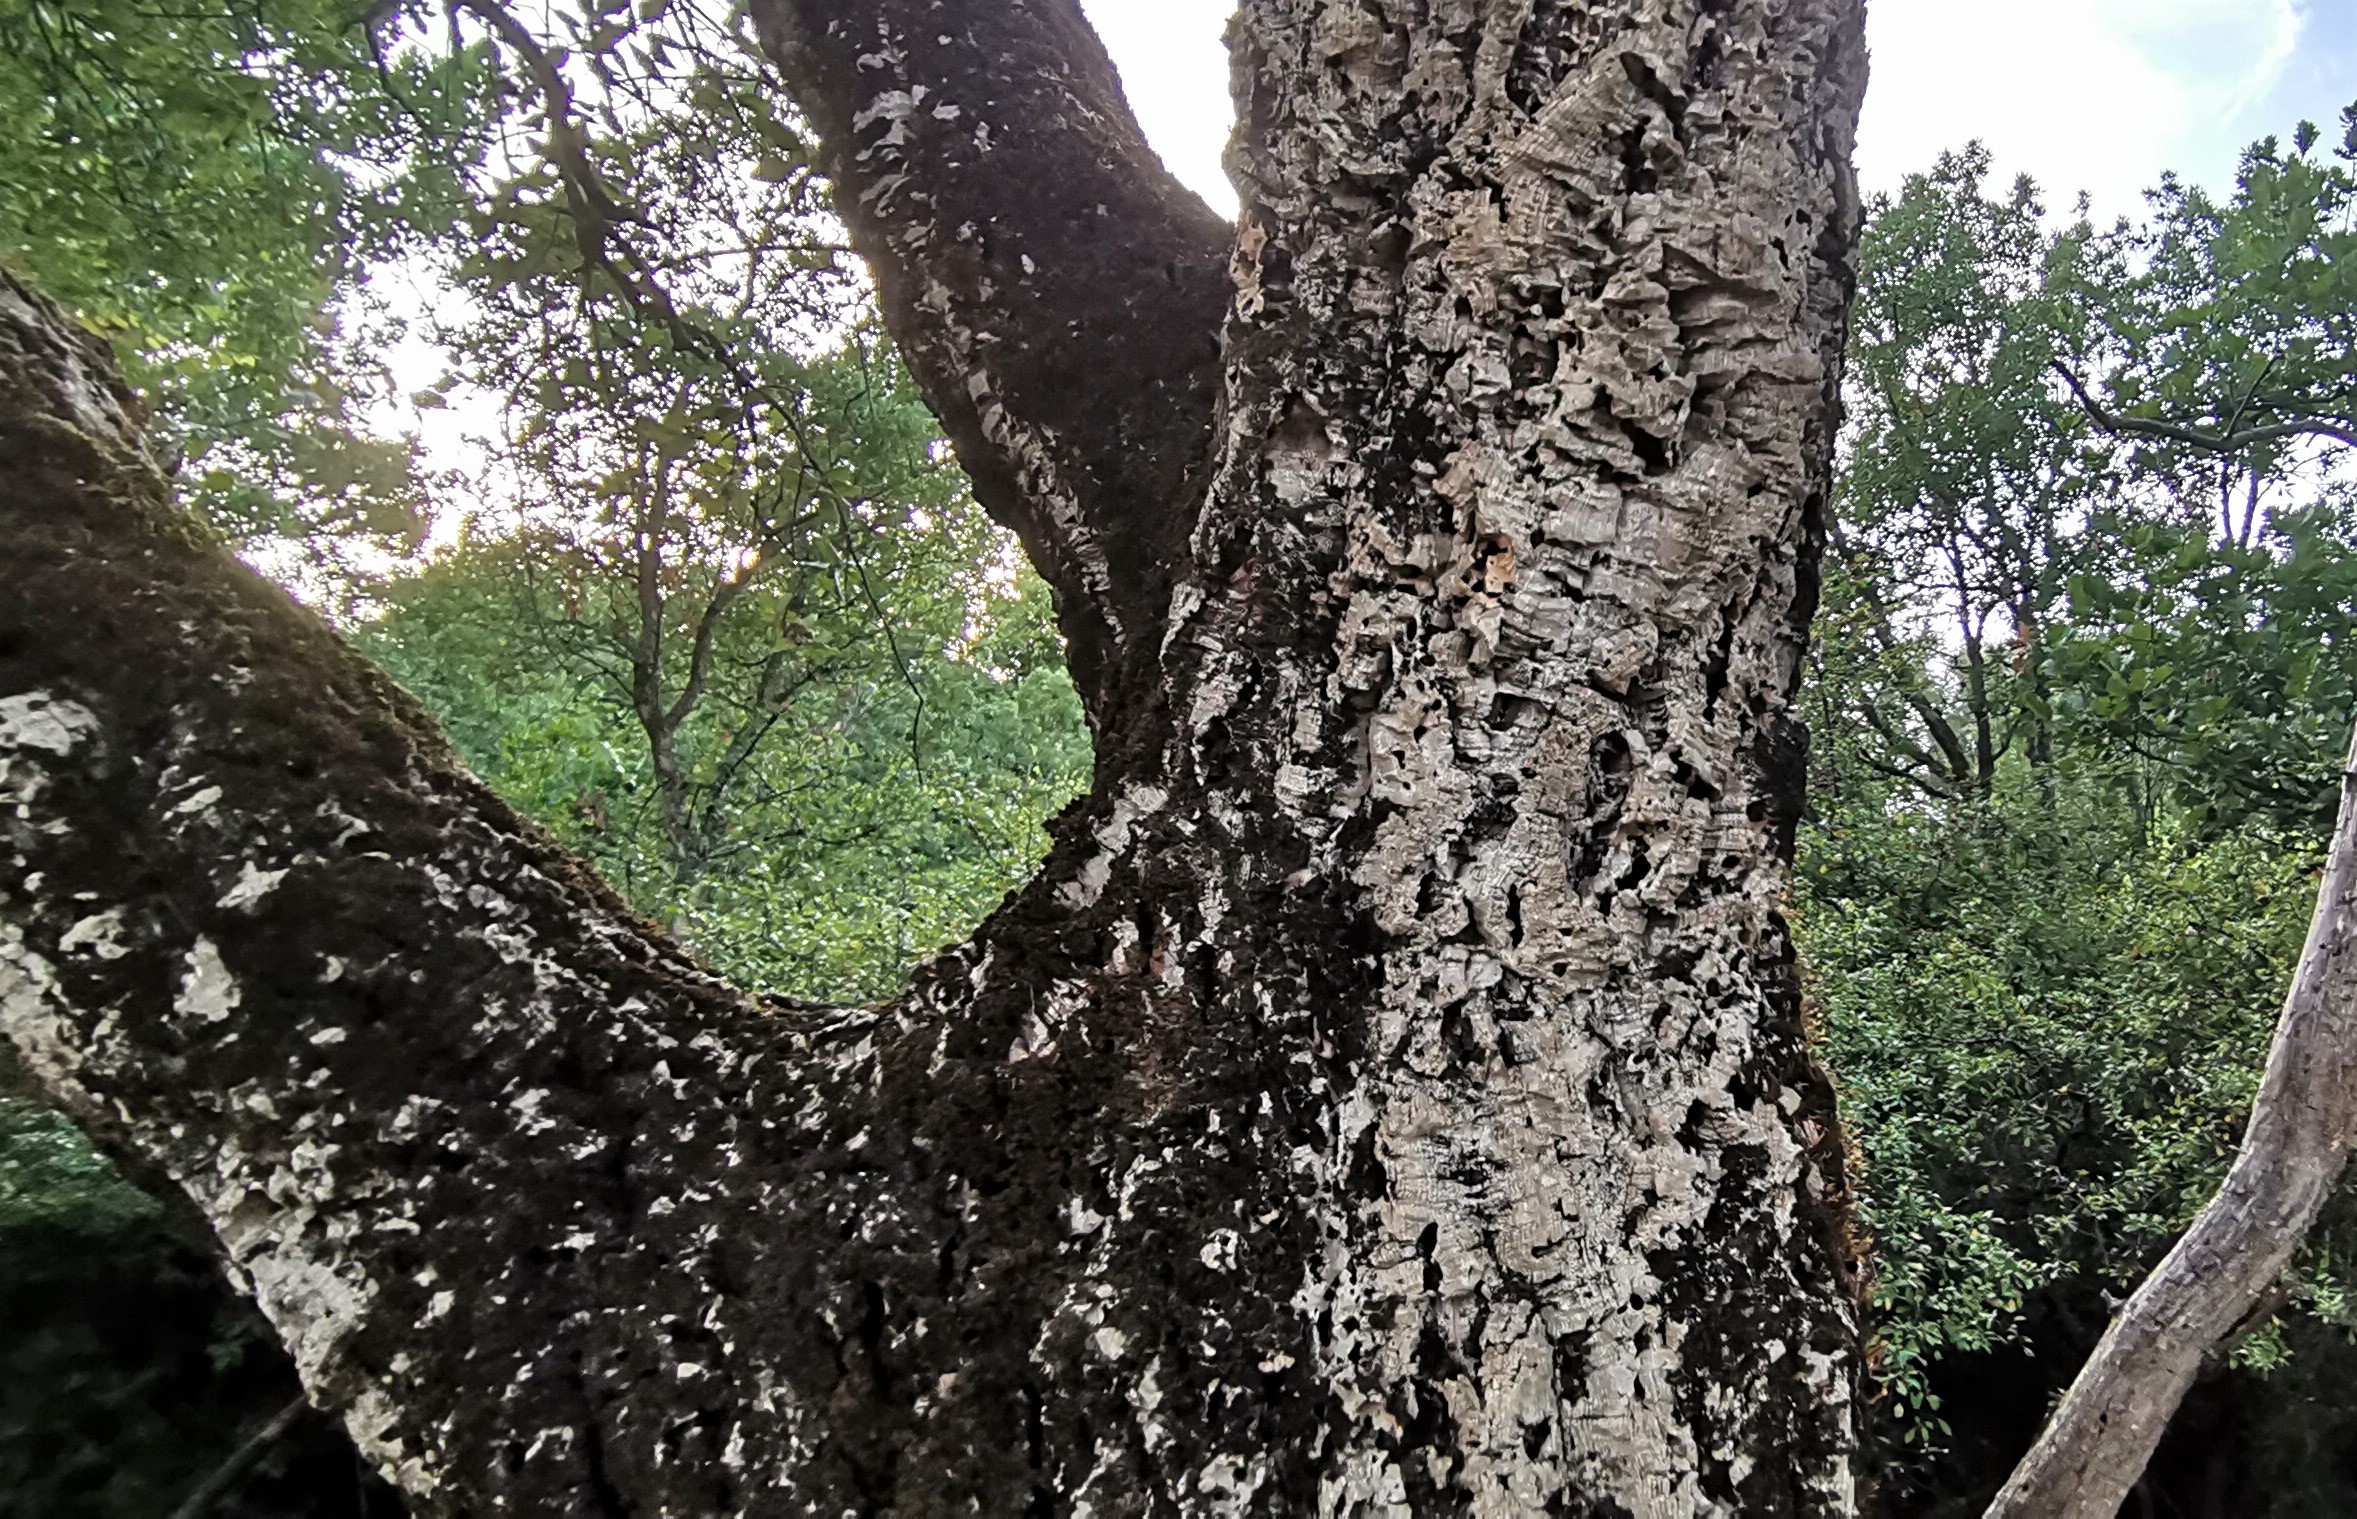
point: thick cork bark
(1390, 1098)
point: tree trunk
(1390, 1097)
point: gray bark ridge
(1531, 376)
(1391, 1097)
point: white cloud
(2093, 95)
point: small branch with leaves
(2230, 439)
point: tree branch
(1907, 749)
(771, 696)
(595, 213)
(2226, 442)
(646, 656)
(1943, 733)
(1057, 294)
(731, 589)
(479, 1141)
(2292, 1156)
(216, 1486)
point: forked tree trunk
(1390, 1097)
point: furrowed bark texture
(1391, 1096)
(1504, 582)
(2303, 1124)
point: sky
(2094, 96)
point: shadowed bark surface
(1390, 1097)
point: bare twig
(241, 1460)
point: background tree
(1971, 481)
(212, 188)
(2049, 999)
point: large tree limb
(1057, 294)
(487, 1150)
